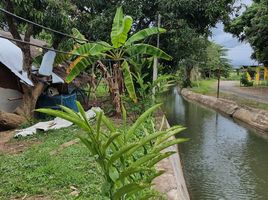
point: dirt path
(259, 94)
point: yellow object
(257, 76)
(248, 77)
(265, 73)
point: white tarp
(47, 66)
(57, 123)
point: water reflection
(223, 160)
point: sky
(238, 53)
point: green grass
(102, 90)
(233, 77)
(206, 86)
(35, 172)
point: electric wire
(55, 50)
(41, 26)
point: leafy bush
(244, 81)
(126, 157)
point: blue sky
(238, 53)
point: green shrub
(126, 157)
(244, 81)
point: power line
(55, 50)
(41, 26)
(36, 45)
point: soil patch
(8, 145)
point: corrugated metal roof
(35, 51)
(11, 56)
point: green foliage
(234, 76)
(36, 173)
(205, 87)
(216, 60)
(244, 80)
(252, 26)
(126, 159)
(121, 51)
(53, 14)
(129, 81)
(121, 26)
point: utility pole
(155, 66)
(219, 78)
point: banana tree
(119, 54)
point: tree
(252, 26)
(122, 54)
(54, 14)
(188, 22)
(216, 60)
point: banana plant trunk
(113, 85)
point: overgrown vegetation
(126, 159)
(124, 56)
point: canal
(222, 160)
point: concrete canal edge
(172, 182)
(253, 117)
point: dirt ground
(8, 145)
(259, 94)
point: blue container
(53, 102)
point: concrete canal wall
(172, 182)
(253, 117)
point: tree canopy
(252, 26)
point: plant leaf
(110, 140)
(81, 39)
(169, 143)
(149, 50)
(77, 67)
(56, 113)
(131, 171)
(88, 144)
(170, 133)
(147, 139)
(113, 173)
(141, 35)
(128, 189)
(160, 157)
(142, 119)
(129, 81)
(92, 49)
(120, 153)
(120, 29)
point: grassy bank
(205, 87)
(209, 87)
(35, 172)
(53, 165)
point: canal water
(222, 160)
